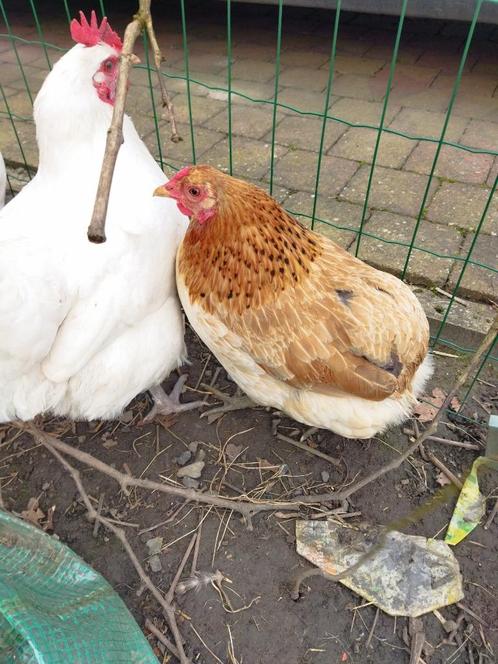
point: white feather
(85, 327)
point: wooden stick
(446, 471)
(310, 450)
(96, 230)
(141, 21)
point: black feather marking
(345, 296)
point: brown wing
(345, 328)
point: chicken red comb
(92, 33)
(180, 174)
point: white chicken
(3, 181)
(84, 328)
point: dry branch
(120, 534)
(141, 21)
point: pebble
(155, 564)
(183, 458)
(192, 470)
(325, 476)
(190, 483)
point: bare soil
(323, 626)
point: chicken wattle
(297, 322)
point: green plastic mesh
(55, 609)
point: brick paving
(428, 62)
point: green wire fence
(15, 44)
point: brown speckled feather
(307, 312)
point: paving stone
(407, 54)
(253, 70)
(481, 134)
(302, 58)
(348, 64)
(476, 106)
(359, 144)
(204, 139)
(453, 163)
(395, 191)
(250, 121)
(493, 173)
(447, 63)
(417, 122)
(302, 100)
(304, 132)
(328, 209)
(203, 108)
(429, 99)
(27, 53)
(254, 51)
(297, 170)
(411, 78)
(243, 92)
(470, 84)
(360, 111)
(359, 87)
(10, 146)
(251, 159)
(11, 73)
(20, 104)
(462, 205)
(423, 268)
(304, 77)
(478, 282)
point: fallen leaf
(33, 513)
(427, 409)
(455, 404)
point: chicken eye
(194, 191)
(108, 65)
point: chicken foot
(169, 404)
(238, 401)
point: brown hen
(297, 322)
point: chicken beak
(162, 191)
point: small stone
(183, 458)
(192, 470)
(193, 446)
(154, 545)
(45, 486)
(81, 439)
(190, 483)
(405, 481)
(325, 476)
(110, 443)
(126, 417)
(155, 564)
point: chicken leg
(169, 404)
(238, 401)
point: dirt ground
(323, 626)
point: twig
(490, 518)
(372, 629)
(454, 443)
(195, 555)
(160, 637)
(449, 295)
(142, 20)
(2, 504)
(309, 449)
(97, 520)
(479, 403)
(120, 534)
(446, 471)
(165, 98)
(171, 592)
